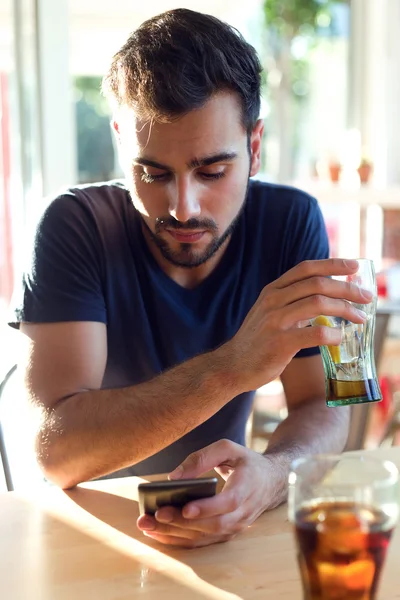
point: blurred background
(331, 93)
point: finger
(316, 268)
(231, 500)
(221, 524)
(183, 543)
(319, 286)
(151, 526)
(309, 337)
(228, 501)
(207, 458)
(175, 531)
(146, 523)
(309, 308)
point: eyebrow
(195, 163)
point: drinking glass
(343, 509)
(350, 372)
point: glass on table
(350, 372)
(343, 509)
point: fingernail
(164, 516)
(351, 264)
(147, 524)
(177, 474)
(366, 294)
(191, 512)
(361, 314)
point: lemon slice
(334, 351)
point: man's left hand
(253, 484)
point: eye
(150, 177)
(212, 176)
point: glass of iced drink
(343, 509)
(350, 373)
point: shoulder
(275, 199)
(286, 223)
(97, 199)
(101, 208)
(277, 211)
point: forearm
(97, 432)
(312, 428)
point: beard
(185, 255)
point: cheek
(227, 199)
(147, 199)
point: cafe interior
(330, 98)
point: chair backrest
(3, 450)
(18, 426)
(360, 414)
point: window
(306, 58)
(95, 142)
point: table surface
(84, 544)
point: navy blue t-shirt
(90, 262)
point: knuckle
(347, 307)
(165, 529)
(225, 444)
(321, 284)
(267, 300)
(219, 525)
(349, 289)
(296, 287)
(196, 459)
(320, 335)
(307, 265)
(319, 302)
(234, 502)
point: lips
(186, 237)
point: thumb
(206, 459)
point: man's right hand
(276, 327)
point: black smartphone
(156, 494)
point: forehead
(214, 127)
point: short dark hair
(174, 62)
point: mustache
(193, 223)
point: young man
(154, 307)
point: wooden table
(84, 545)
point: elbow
(59, 477)
(54, 463)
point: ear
(255, 147)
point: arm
(254, 482)
(86, 432)
(310, 427)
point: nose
(184, 203)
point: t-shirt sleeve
(62, 278)
(310, 242)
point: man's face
(189, 178)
